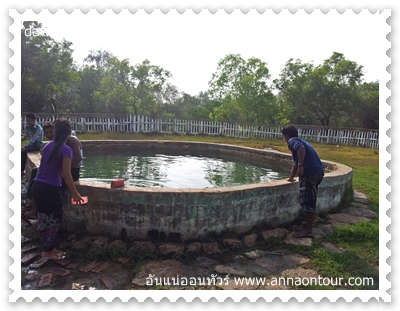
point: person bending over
(308, 167)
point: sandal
(60, 255)
(302, 234)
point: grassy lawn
(361, 241)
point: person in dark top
(308, 167)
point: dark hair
(62, 132)
(290, 130)
(47, 124)
(31, 116)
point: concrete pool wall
(194, 213)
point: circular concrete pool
(194, 213)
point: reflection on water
(177, 171)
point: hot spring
(189, 190)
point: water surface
(177, 171)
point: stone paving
(211, 264)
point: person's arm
(36, 137)
(292, 173)
(75, 145)
(301, 153)
(66, 174)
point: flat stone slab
(24, 239)
(45, 280)
(341, 219)
(30, 277)
(109, 281)
(260, 253)
(276, 264)
(72, 265)
(28, 248)
(159, 269)
(289, 239)
(326, 228)
(359, 211)
(38, 264)
(28, 258)
(100, 268)
(360, 205)
(225, 270)
(206, 262)
(90, 266)
(275, 233)
(60, 271)
(62, 262)
(360, 197)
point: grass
(361, 240)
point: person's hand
(300, 171)
(77, 198)
(291, 179)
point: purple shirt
(51, 172)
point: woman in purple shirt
(55, 165)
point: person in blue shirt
(307, 165)
(34, 132)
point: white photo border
(45, 295)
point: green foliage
(330, 94)
(47, 73)
(327, 94)
(244, 90)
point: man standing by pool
(34, 132)
(309, 168)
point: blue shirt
(35, 135)
(312, 163)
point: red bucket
(117, 183)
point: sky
(190, 45)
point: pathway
(259, 253)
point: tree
(367, 106)
(131, 89)
(323, 93)
(243, 89)
(46, 69)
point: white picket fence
(145, 124)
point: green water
(177, 171)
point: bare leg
(310, 222)
(33, 213)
